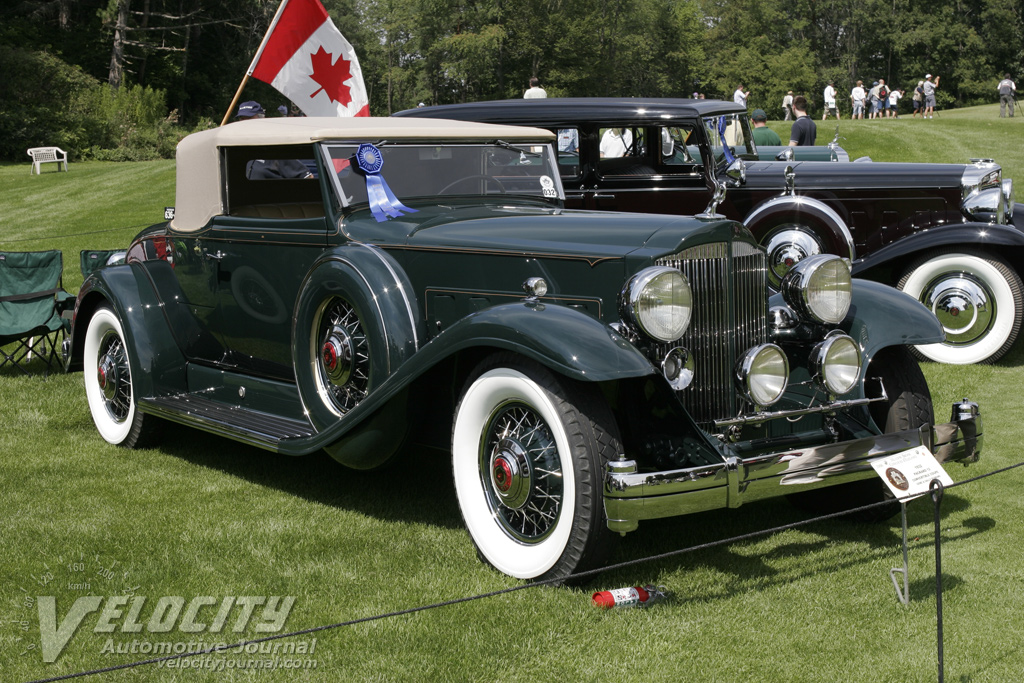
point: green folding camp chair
(93, 259)
(32, 298)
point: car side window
(679, 151)
(567, 145)
(272, 182)
(623, 152)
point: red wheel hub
(330, 356)
(502, 474)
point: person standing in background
(740, 96)
(918, 99)
(929, 95)
(535, 92)
(1007, 95)
(857, 95)
(830, 102)
(804, 132)
(787, 106)
(762, 134)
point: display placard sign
(908, 474)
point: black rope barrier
(592, 572)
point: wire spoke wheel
(521, 473)
(528, 455)
(341, 356)
(114, 377)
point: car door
(650, 169)
(255, 257)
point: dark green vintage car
(357, 285)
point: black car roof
(574, 110)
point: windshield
(422, 170)
(729, 137)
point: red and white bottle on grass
(634, 596)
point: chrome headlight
(658, 302)
(819, 288)
(762, 374)
(985, 205)
(835, 363)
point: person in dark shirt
(804, 132)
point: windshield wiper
(521, 150)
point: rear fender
(157, 364)
(978, 235)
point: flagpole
(255, 59)
(238, 95)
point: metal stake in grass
(903, 594)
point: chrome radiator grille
(730, 315)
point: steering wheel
(477, 176)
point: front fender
(563, 339)
(157, 363)
(882, 316)
(818, 215)
(979, 235)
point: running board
(253, 427)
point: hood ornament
(716, 199)
(790, 182)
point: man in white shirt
(830, 102)
(857, 95)
(535, 92)
(615, 143)
(787, 106)
(1007, 95)
(740, 96)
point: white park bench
(42, 155)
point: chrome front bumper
(631, 496)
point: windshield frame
(747, 149)
(542, 151)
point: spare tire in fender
(353, 326)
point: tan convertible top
(198, 193)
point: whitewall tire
(528, 455)
(108, 382)
(977, 299)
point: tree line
(99, 72)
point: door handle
(217, 256)
(603, 196)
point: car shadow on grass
(416, 486)
(823, 547)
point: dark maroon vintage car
(945, 233)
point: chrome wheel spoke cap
(963, 305)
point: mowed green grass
(202, 516)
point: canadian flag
(305, 57)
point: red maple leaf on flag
(331, 77)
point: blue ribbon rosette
(383, 202)
(725, 147)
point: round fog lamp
(762, 374)
(836, 363)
